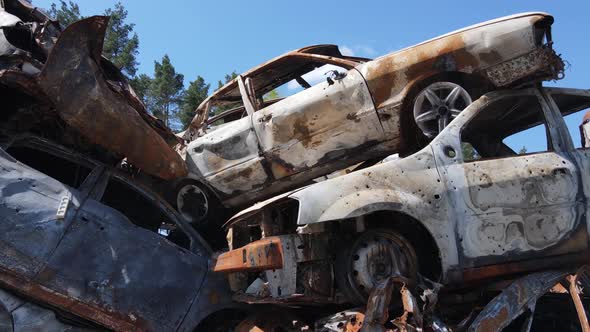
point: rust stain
(493, 323)
(264, 254)
(97, 314)
(443, 55)
(243, 173)
(74, 79)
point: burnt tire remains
(375, 256)
(192, 202)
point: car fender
(411, 186)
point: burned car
(73, 86)
(463, 210)
(96, 248)
(84, 243)
(364, 110)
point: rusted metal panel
(74, 80)
(264, 254)
(58, 86)
(471, 50)
(344, 321)
(321, 125)
(514, 300)
(575, 291)
(85, 265)
(228, 158)
(16, 314)
(281, 69)
(542, 62)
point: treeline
(163, 92)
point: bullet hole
(437, 196)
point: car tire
(374, 256)
(203, 210)
(194, 202)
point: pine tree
(193, 97)
(166, 90)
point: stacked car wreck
(102, 205)
(80, 238)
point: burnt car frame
(98, 248)
(435, 213)
(368, 110)
(63, 75)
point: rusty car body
(96, 248)
(64, 72)
(365, 109)
(85, 243)
(455, 218)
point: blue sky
(212, 38)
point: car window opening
(505, 128)
(62, 170)
(142, 212)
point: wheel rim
(192, 203)
(437, 105)
(376, 256)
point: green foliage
(142, 86)
(193, 97)
(522, 150)
(220, 108)
(166, 90)
(121, 43)
(227, 79)
(66, 14)
(469, 152)
(273, 94)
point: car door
(332, 121)
(127, 258)
(228, 157)
(511, 206)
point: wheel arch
(416, 232)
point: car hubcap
(377, 257)
(437, 105)
(192, 203)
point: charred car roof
(282, 69)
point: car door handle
(560, 170)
